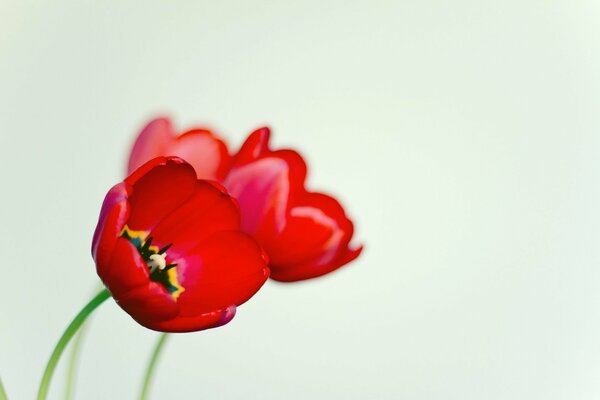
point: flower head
(305, 234)
(169, 248)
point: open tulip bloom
(193, 232)
(169, 249)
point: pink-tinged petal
(151, 142)
(204, 151)
(159, 187)
(114, 213)
(195, 323)
(125, 270)
(227, 268)
(256, 147)
(262, 191)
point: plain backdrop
(462, 137)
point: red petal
(148, 304)
(227, 268)
(113, 215)
(208, 320)
(125, 270)
(152, 142)
(298, 272)
(158, 188)
(206, 211)
(255, 145)
(315, 240)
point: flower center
(156, 260)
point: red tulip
(305, 234)
(169, 249)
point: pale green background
(463, 137)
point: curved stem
(151, 365)
(65, 338)
(3, 395)
(72, 367)
(74, 356)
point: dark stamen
(144, 249)
(169, 266)
(146, 246)
(167, 247)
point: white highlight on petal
(331, 246)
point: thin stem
(74, 356)
(3, 395)
(151, 365)
(72, 366)
(65, 338)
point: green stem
(151, 365)
(65, 338)
(3, 395)
(73, 358)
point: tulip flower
(169, 249)
(305, 234)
